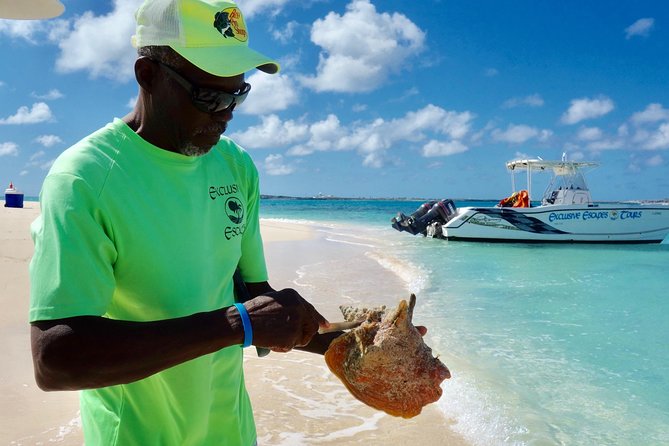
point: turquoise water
(548, 344)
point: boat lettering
(564, 216)
(594, 215)
(630, 214)
(589, 215)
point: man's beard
(191, 149)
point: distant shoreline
(336, 198)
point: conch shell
(385, 363)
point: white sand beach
(296, 399)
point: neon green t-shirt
(132, 232)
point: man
(143, 224)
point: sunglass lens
(216, 101)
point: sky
(379, 99)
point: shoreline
(296, 400)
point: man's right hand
(283, 320)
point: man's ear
(145, 72)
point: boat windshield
(567, 186)
(567, 180)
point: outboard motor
(432, 211)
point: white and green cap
(211, 34)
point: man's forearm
(90, 352)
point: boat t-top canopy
(566, 176)
(556, 166)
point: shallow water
(548, 344)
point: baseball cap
(211, 34)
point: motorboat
(565, 213)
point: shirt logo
(234, 210)
(230, 23)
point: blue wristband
(246, 324)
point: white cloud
(534, 100)
(641, 27)
(441, 148)
(269, 94)
(361, 48)
(34, 32)
(40, 112)
(36, 160)
(638, 164)
(518, 134)
(286, 34)
(606, 144)
(274, 165)
(576, 156)
(132, 101)
(50, 96)
(254, 7)
(37, 155)
(584, 108)
(522, 156)
(655, 161)
(623, 130)
(589, 133)
(491, 72)
(650, 128)
(47, 165)
(48, 140)
(9, 148)
(22, 29)
(443, 129)
(58, 30)
(545, 135)
(659, 139)
(271, 133)
(653, 113)
(454, 124)
(324, 135)
(101, 44)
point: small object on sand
(385, 363)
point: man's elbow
(53, 370)
(45, 379)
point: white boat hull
(610, 223)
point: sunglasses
(206, 99)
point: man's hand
(283, 320)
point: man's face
(193, 131)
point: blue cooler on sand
(13, 198)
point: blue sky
(379, 98)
